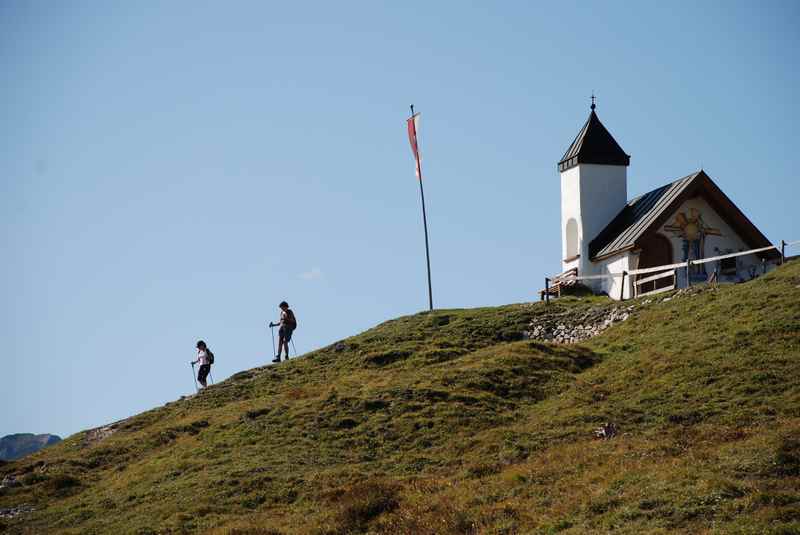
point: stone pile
(571, 327)
(98, 434)
(606, 431)
(11, 512)
(575, 326)
(8, 482)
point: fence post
(688, 275)
(622, 286)
(546, 291)
(783, 252)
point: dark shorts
(202, 373)
(286, 333)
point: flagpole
(425, 225)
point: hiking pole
(211, 377)
(272, 330)
(295, 348)
(196, 388)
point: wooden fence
(661, 272)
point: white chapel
(603, 232)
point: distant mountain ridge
(21, 444)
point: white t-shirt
(202, 357)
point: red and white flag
(413, 126)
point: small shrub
(787, 460)
(252, 502)
(253, 414)
(361, 504)
(386, 358)
(777, 499)
(479, 471)
(558, 527)
(193, 428)
(601, 506)
(33, 478)
(372, 405)
(686, 418)
(438, 355)
(346, 423)
(440, 321)
(62, 483)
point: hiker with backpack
(288, 324)
(205, 358)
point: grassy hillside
(451, 423)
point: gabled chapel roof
(646, 214)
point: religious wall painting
(692, 230)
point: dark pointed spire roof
(593, 144)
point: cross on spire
(592, 106)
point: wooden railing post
(688, 275)
(622, 286)
(547, 290)
(783, 252)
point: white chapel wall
(572, 237)
(616, 264)
(604, 193)
(570, 209)
(697, 229)
(592, 195)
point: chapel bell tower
(593, 190)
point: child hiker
(287, 325)
(205, 358)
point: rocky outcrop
(11, 512)
(93, 436)
(9, 482)
(20, 444)
(572, 326)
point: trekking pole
(211, 377)
(295, 348)
(272, 330)
(196, 388)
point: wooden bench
(562, 280)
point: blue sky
(172, 170)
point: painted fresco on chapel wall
(692, 230)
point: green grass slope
(449, 422)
